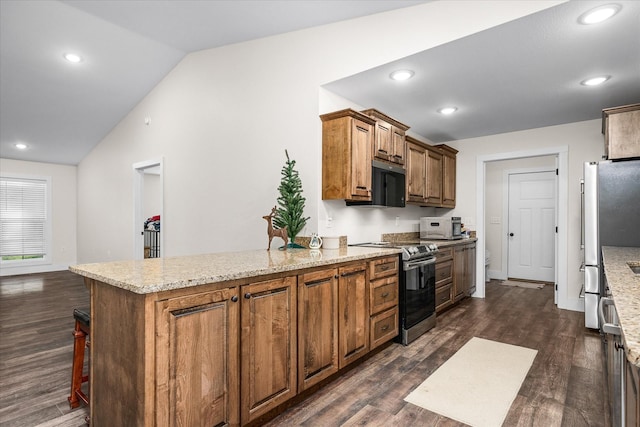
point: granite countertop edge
(165, 274)
(624, 285)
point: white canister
(331, 242)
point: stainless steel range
(417, 288)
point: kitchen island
(624, 285)
(226, 338)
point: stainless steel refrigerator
(610, 217)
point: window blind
(23, 217)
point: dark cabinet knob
(234, 298)
(511, 234)
(336, 277)
(247, 295)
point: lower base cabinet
(228, 353)
(317, 326)
(268, 346)
(455, 274)
(197, 371)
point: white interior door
(532, 226)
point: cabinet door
(471, 269)
(268, 346)
(383, 147)
(459, 268)
(416, 173)
(197, 360)
(398, 145)
(434, 177)
(353, 312)
(317, 326)
(448, 181)
(361, 134)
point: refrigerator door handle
(607, 328)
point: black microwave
(387, 186)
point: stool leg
(78, 361)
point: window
(25, 224)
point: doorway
(531, 223)
(149, 224)
(561, 262)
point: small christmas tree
(291, 209)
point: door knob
(511, 234)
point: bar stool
(80, 334)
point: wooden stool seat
(80, 334)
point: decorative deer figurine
(275, 232)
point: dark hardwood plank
(36, 347)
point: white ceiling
(521, 75)
(61, 110)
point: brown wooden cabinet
(383, 300)
(416, 172)
(389, 137)
(268, 346)
(197, 360)
(448, 176)
(455, 274)
(444, 278)
(353, 313)
(434, 176)
(459, 272)
(621, 129)
(227, 353)
(318, 326)
(431, 174)
(347, 141)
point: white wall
(585, 143)
(222, 119)
(63, 209)
(494, 204)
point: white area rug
(478, 384)
(519, 284)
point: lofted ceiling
(520, 75)
(62, 110)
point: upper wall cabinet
(621, 128)
(347, 141)
(449, 156)
(431, 174)
(389, 137)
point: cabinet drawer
(443, 297)
(384, 267)
(444, 272)
(383, 294)
(384, 327)
(444, 254)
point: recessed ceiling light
(595, 81)
(401, 75)
(599, 14)
(20, 146)
(447, 110)
(72, 57)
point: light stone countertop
(625, 288)
(163, 274)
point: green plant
(290, 212)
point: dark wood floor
(563, 388)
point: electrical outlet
(329, 222)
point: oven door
(419, 291)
